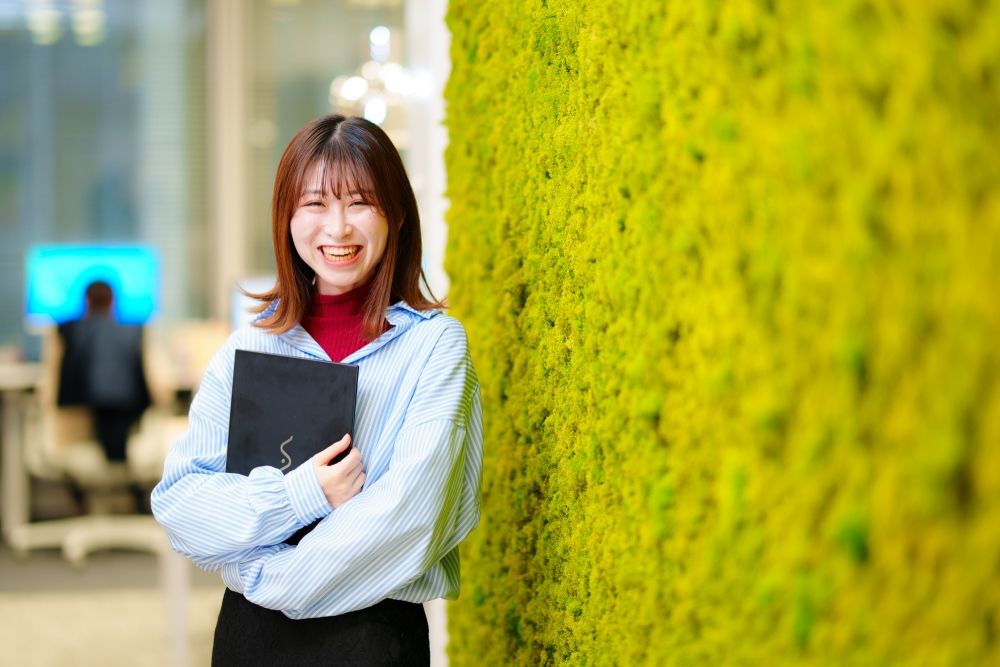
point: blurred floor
(111, 611)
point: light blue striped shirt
(419, 430)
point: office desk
(76, 535)
(17, 385)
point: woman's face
(341, 239)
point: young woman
(394, 510)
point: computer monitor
(58, 276)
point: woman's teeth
(341, 254)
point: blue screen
(58, 276)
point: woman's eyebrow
(323, 193)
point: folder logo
(286, 458)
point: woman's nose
(335, 223)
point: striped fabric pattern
(419, 431)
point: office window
(102, 138)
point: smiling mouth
(340, 253)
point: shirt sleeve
(404, 523)
(214, 517)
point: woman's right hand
(342, 480)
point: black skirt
(391, 633)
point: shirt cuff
(305, 495)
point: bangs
(343, 173)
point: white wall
(428, 42)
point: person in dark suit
(102, 369)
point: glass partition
(102, 139)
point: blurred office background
(158, 124)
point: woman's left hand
(342, 480)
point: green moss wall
(731, 274)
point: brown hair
(99, 296)
(355, 155)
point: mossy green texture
(730, 271)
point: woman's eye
(359, 203)
(313, 203)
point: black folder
(286, 409)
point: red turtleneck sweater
(336, 321)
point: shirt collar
(395, 307)
(403, 306)
(400, 315)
